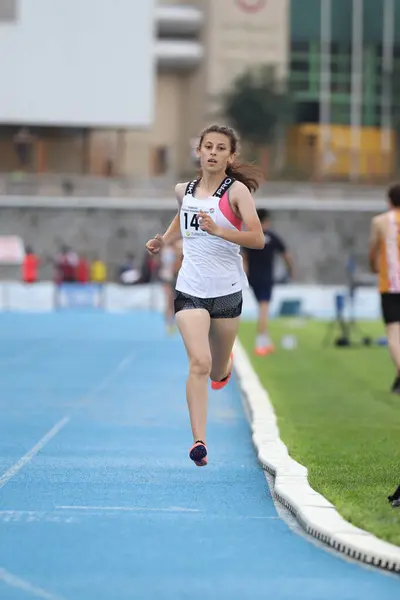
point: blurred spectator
(30, 266)
(170, 263)
(150, 268)
(82, 272)
(68, 187)
(109, 167)
(23, 142)
(98, 272)
(259, 266)
(65, 264)
(129, 273)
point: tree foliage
(256, 103)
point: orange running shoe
(218, 385)
(264, 350)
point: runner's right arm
(173, 232)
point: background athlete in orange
(384, 258)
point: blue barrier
(75, 296)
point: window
(300, 46)
(299, 66)
(299, 85)
(160, 160)
(378, 113)
(341, 86)
(335, 48)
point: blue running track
(98, 498)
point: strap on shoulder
(191, 186)
(224, 187)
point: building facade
(344, 57)
(199, 47)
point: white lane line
(171, 509)
(12, 471)
(20, 584)
(130, 508)
(104, 382)
(5, 478)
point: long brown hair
(248, 174)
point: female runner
(216, 216)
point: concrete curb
(316, 515)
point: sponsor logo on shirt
(224, 186)
(191, 187)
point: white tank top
(211, 266)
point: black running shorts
(223, 307)
(390, 304)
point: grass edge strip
(318, 517)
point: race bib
(190, 220)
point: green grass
(337, 418)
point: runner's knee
(200, 364)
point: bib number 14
(191, 221)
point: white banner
(12, 250)
(314, 301)
(78, 63)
